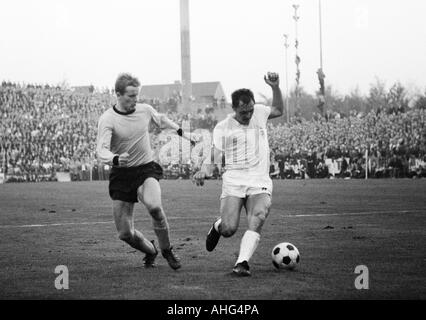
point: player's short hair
(243, 95)
(123, 81)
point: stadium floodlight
(297, 60)
(286, 45)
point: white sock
(216, 224)
(248, 245)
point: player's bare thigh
(230, 210)
(149, 193)
(258, 207)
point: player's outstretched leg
(150, 195)
(227, 224)
(123, 216)
(248, 245)
(161, 229)
(257, 210)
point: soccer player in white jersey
(242, 139)
(123, 142)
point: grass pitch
(336, 225)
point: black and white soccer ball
(285, 256)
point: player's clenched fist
(123, 159)
(272, 79)
(198, 178)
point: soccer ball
(285, 256)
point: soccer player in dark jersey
(123, 142)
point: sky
(235, 42)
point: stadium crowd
(48, 130)
(395, 143)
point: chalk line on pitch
(203, 218)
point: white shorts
(242, 187)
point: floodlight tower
(320, 72)
(297, 93)
(286, 45)
(185, 56)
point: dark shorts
(124, 182)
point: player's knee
(156, 212)
(125, 235)
(261, 215)
(227, 231)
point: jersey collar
(121, 112)
(232, 116)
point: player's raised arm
(277, 108)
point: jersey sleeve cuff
(115, 160)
